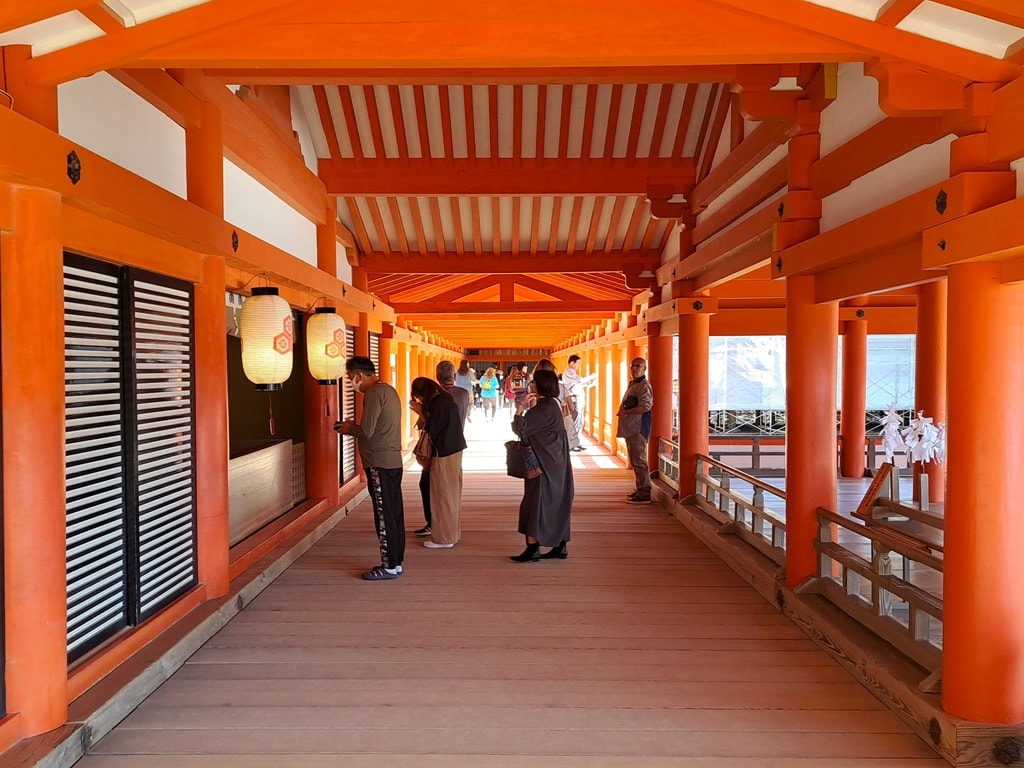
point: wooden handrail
(739, 474)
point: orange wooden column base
(983, 627)
(810, 422)
(32, 333)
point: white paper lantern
(265, 323)
(325, 345)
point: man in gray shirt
(378, 435)
(635, 423)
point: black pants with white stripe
(385, 487)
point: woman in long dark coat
(547, 498)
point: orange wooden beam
(751, 228)
(1006, 137)
(503, 176)
(770, 182)
(885, 270)
(898, 222)
(467, 35)
(257, 148)
(32, 155)
(895, 11)
(749, 322)
(703, 305)
(36, 102)
(871, 149)
(506, 263)
(119, 48)
(163, 92)
(990, 234)
(484, 75)
(748, 258)
(905, 91)
(761, 142)
(488, 308)
(879, 40)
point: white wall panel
(254, 208)
(126, 130)
(854, 110)
(902, 177)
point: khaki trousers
(446, 498)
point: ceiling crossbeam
(505, 176)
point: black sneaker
(638, 499)
(424, 531)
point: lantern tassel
(270, 410)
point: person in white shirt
(577, 387)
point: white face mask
(357, 382)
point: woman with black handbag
(547, 495)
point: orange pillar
(694, 340)
(854, 408)
(930, 375)
(810, 422)
(387, 348)
(204, 171)
(618, 364)
(322, 402)
(402, 381)
(660, 374)
(32, 335)
(592, 416)
(983, 627)
(212, 429)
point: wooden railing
(668, 463)
(871, 592)
(766, 456)
(869, 567)
(741, 514)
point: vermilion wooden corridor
(642, 649)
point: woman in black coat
(547, 498)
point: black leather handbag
(521, 460)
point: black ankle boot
(561, 552)
(530, 555)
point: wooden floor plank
(642, 649)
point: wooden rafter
(895, 11)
